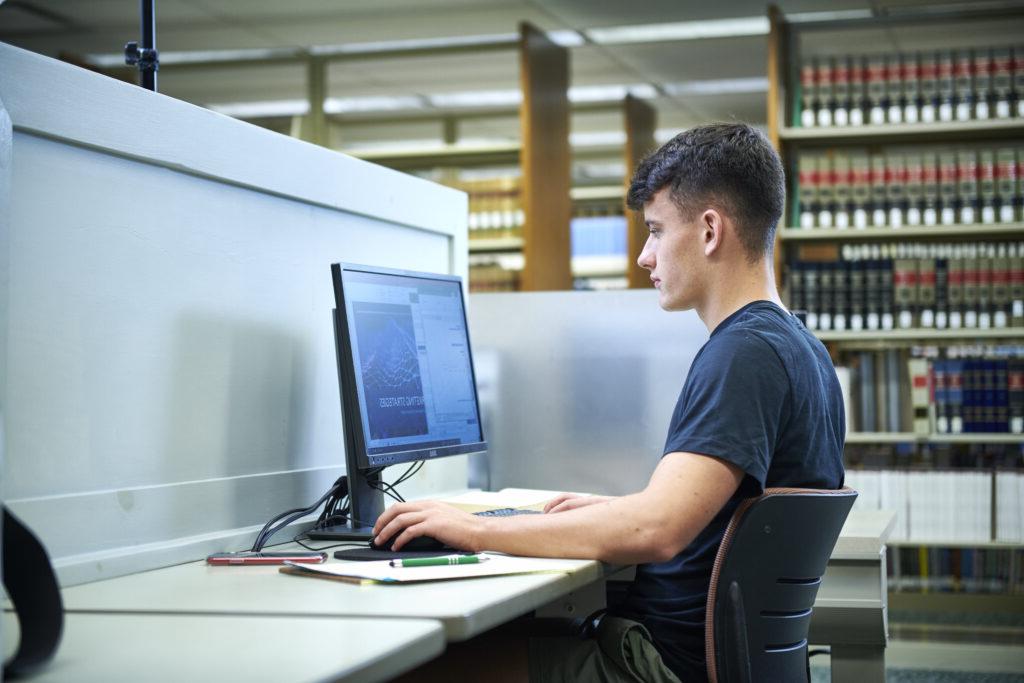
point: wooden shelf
(1002, 545)
(918, 334)
(481, 245)
(1004, 129)
(930, 231)
(911, 437)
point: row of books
(492, 277)
(968, 395)
(855, 188)
(955, 570)
(495, 207)
(970, 391)
(912, 285)
(598, 234)
(944, 85)
(948, 506)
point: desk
(851, 612)
(464, 608)
(163, 647)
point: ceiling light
(611, 93)
(609, 138)
(838, 15)
(476, 98)
(724, 86)
(566, 38)
(683, 30)
(255, 110)
(416, 44)
(108, 61)
(346, 105)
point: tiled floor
(943, 662)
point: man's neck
(735, 288)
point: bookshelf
(936, 232)
(917, 227)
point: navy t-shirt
(762, 394)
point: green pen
(439, 561)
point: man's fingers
(555, 503)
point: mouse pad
(368, 554)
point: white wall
(171, 376)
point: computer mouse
(418, 543)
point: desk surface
(210, 648)
(465, 608)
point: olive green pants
(621, 651)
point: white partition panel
(171, 379)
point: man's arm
(684, 494)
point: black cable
(285, 518)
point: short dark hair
(731, 165)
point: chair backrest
(764, 582)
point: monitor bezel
(352, 412)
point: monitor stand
(366, 503)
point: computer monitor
(405, 373)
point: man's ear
(712, 225)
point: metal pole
(149, 69)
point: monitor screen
(404, 343)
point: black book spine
(1002, 405)
(857, 294)
(941, 300)
(1015, 394)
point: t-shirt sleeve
(732, 404)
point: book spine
(919, 394)
(866, 372)
(1015, 394)
(1015, 253)
(941, 409)
(911, 87)
(955, 395)
(967, 185)
(969, 404)
(970, 296)
(926, 292)
(1002, 82)
(858, 90)
(857, 286)
(941, 293)
(955, 290)
(842, 178)
(915, 204)
(984, 266)
(826, 192)
(808, 93)
(945, 86)
(1001, 311)
(842, 66)
(1001, 422)
(879, 191)
(904, 291)
(807, 193)
(876, 75)
(795, 280)
(826, 91)
(860, 189)
(873, 292)
(811, 301)
(1018, 78)
(894, 391)
(1006, 184)
(896, 189)
(886, 295)
(841, 295)
(826, 293)
(948, 188)
(929, 71)
(963, 85)
(894, 88)
(988, 401)
(983, 94)
(987, 185)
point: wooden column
(776, 45)
(544, 121)
(315, 128)
(640, 120)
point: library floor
(946, 655)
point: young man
(761, 407)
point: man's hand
(571, 501)
(451, 526)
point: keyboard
(507, 512)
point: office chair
(765, 578)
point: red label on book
(967, 170)
(927, 277)
(920, 381)
(956, 277)
(1015, 381)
